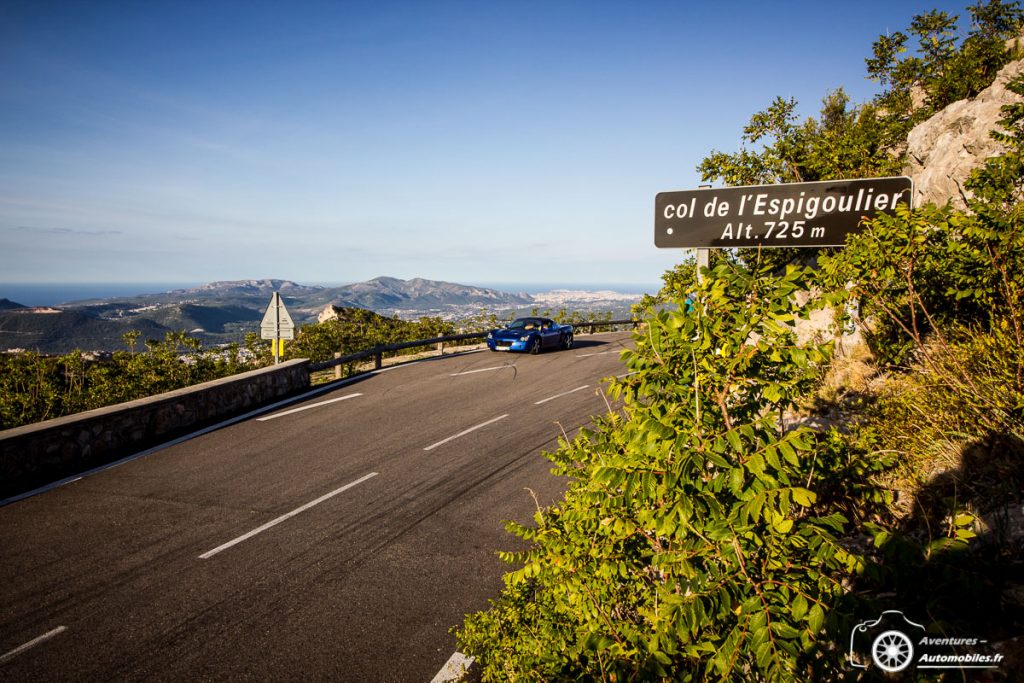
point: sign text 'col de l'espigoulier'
(815, 214)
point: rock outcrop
(943, 150)
(330, 312)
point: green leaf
(784, 630)
(788, 452)
(803, 496)
(815, 619)
(773, 392)
(799, 607)
(598, 641)
(736, 480)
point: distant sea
(56, 294)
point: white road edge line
(454, 669)
(564, 393)
(32, 643)
(464, 432)
(598, 353)
(470, 372)
(210, 553)
(408, 363)
(301, 408)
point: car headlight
(525, 337)
(490, 335)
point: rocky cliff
(943, 150)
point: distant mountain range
(219, 312)
(50, 330)
(382, 294)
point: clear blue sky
(477, 141)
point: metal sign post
(703, 261)
(703, 256)
(277, 326)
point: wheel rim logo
(892, 651)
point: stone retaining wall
(36, 454)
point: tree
(920, 83)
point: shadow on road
(585, 343)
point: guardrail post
(337, 368)
(378, 360)
(440, 348)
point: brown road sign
(816, 214)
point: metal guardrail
(377, 352)
(605, 323)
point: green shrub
(34, 387)
(696, 540)
(359, 329)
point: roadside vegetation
(358, 329)
(36, 387)
(709, 532)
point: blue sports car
(530, 334)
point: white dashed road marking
(464, 432)
(470, 372)
(36, 641)
(210, 553)
(564, 393)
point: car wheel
(567, 341)
(535, 345)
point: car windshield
(524, 324)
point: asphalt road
(338, 538)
